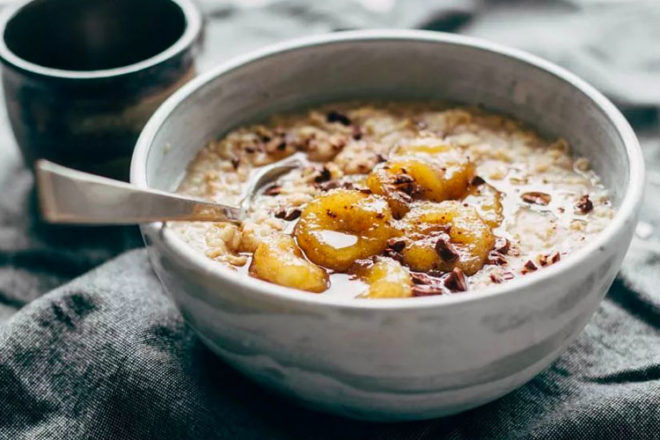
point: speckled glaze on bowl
(391, 359)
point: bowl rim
(193, 27)
(223, 275)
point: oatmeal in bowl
(396, 200)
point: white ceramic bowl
(391, 359)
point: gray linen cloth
(107, 356)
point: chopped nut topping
(455, 281)
(335, 116)
(536, 198)
(584, 205)
(445, 250)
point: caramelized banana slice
(280, 261)
(441, 236)
(436, 177)
(342, 226)
(386, 278)
(487, 200)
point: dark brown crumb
(323, 176)
(357, 132)
(365, 191)
(445, 250)
(330, 213)
(250, 150)
(235, 162)
(455, 281)
(529, 267)
(396, 244)
(288, 214)
(381, 158)
(335, 116)
(426, 290)
(380, 216)
(477, 180)
(272, 190)
(536, 198)
(584, 205)
(502, 245)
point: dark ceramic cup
(82, 77)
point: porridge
(396, 200)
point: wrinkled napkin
(107, 356)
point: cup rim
(193, 26)
(626, 213)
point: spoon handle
(71, 196)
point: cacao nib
(323, 176)
(327, 186)
(396, 244)
(477, 180)
(425, 278)
(547, 260)
(496, 259)
(272, 190)
(445, 250)
(529, 267)
(584, 205)
(426, 290)
(455, 281)
(335, 116)
(536, 198)
(502, 245)
(288, 214)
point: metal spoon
(70, 196)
